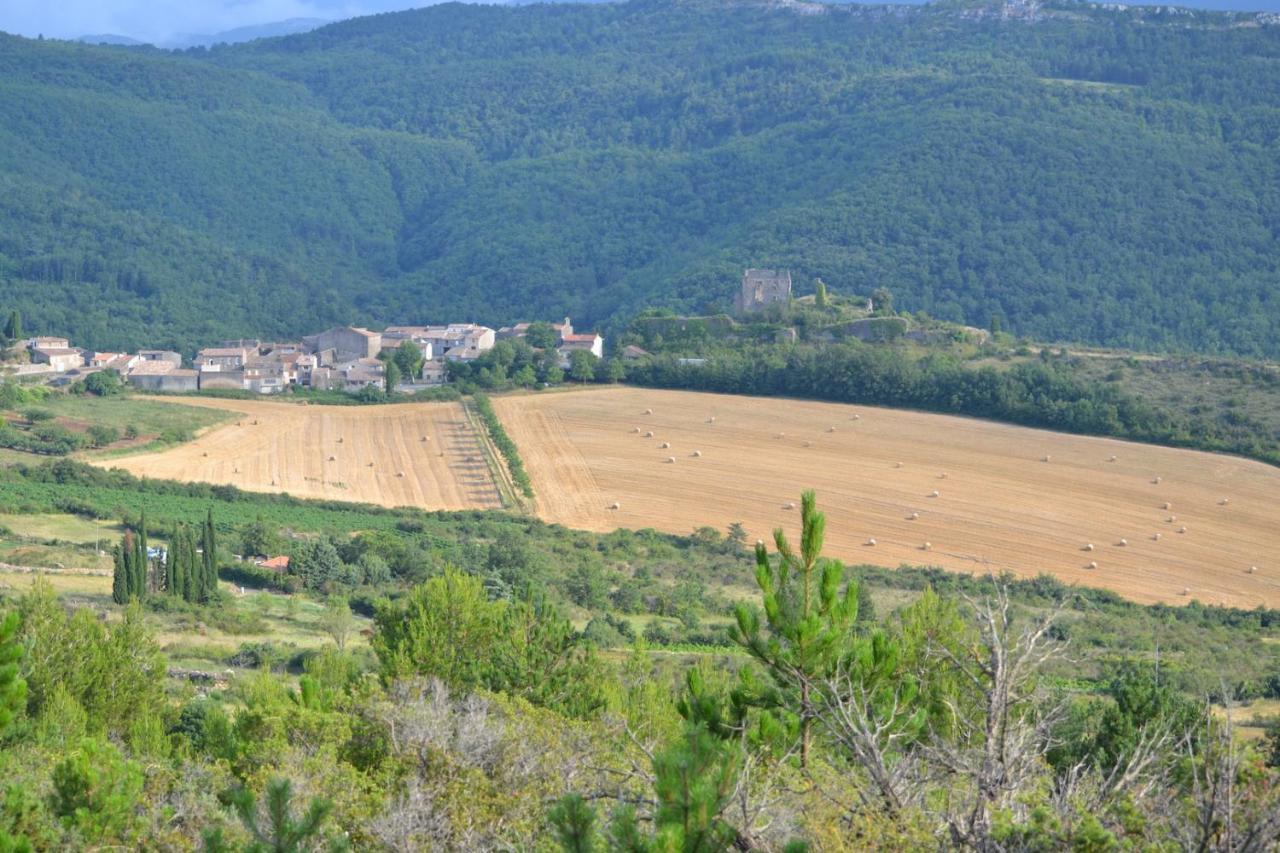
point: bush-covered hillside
(1104, 176)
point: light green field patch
(68, 528)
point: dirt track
(285, 447)
(1000, 507)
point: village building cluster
(345, 358)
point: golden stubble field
(372, 454)
(998, 506)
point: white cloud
(159, 20)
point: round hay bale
(942, 476)
(831, 429)
(333, 459)
(1111, 458)
(808, 444)
(857, 417)
(1093, 564)
(1088, 546)
(635, 430)
(339, 439)
(1155, 481)
(926, 546)
(711, 419)
(780, 435)
(664, 445)
(790, 505)
(1186, 590)
(649, 434)
(1046, 458)
(1253, 570)
(871, 542)
(648, 411)
(934, 493)
(205, 454)
(1123, 542)
(615, 505)
(1224, 502)
(1182, 530)
(425, 438)
(399, 473)
(897, 465)
(671, 460)
(370, 465)
(1155, 537)
(914, 516)
(697, 454)
(1168, 505)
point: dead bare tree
(998, 755)
(875, 724)
(1235, 809)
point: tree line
(184, 569)
(1043, 393)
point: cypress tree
(209, 559)
(182, 573)
(13, 329)
(146, 584)
(194, 588)
(171, 584)
(119, 577)
(138, 573)
(128, 564)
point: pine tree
(811, 621)
(120, 577)
(13, 689)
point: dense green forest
(1108, 176)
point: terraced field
(422, 454)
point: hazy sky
(157, 20)
(160, 20)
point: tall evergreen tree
(137, 567)
(810, 619)
(13, 328)
(171, 585)
(187, 584)
(209, 558)
(144, 552)
(120, 576)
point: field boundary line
(507, 490)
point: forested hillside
(1104, 176)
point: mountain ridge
(1101, 175)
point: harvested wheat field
(371, 454)
(983, 496)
